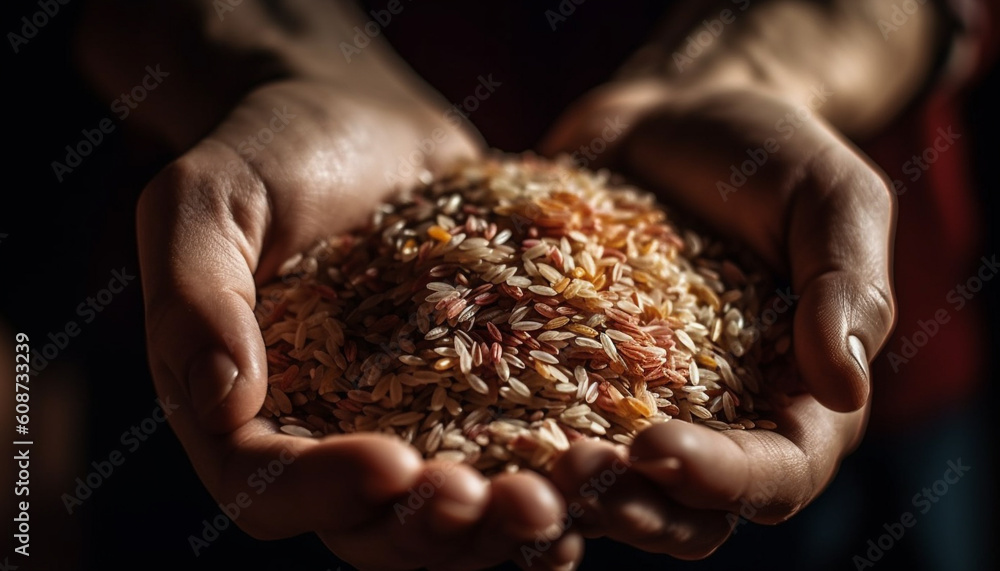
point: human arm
(220, 220)
(810, 204)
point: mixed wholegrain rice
(498, 314)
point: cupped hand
(296, 161)
(766, 170)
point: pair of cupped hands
(213, 225)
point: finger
(579, 135)
(204, 229)
(764, 475)
(571, 130)
(609, 498)
(207, 357)
(604, 115)
(196, 265)
(525, 510)
(564, 553)
(287, 485)
(817, 208)
(840, 245)
(641, 515)
(429, 527)
(583, 474)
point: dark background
(64, 239)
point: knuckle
(181, 173)
(875, 300)
(183, 186)
(879, 293)
(881, 187)
(885, 306)
(202, 185)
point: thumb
(199, 291)
(840, 246)
(593, 129)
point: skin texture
(816, 210)
(207, 237)
(216, 223)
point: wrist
(716, 73)
(628, 99)
(838, 60)
(211, 59)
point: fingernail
(210, 380)
(665, 471)
(860, 355)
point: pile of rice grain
(498, 314)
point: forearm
(213, 53)
(794, 47)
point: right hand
(816, 210)
(209, 234)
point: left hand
(812, 207)
(217, 222)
